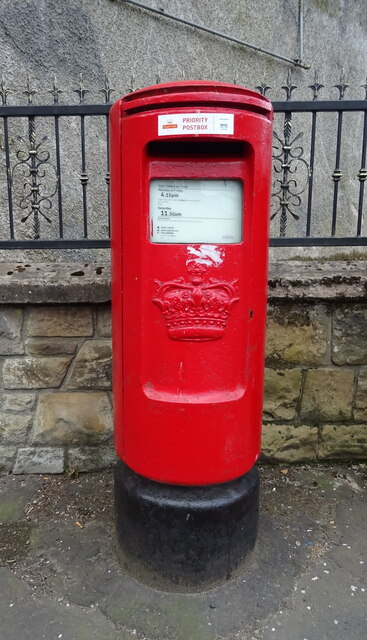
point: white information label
(178, 124)
(196, 211)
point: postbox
(190, 184)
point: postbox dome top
(195, 93)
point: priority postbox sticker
(179, 124)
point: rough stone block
(72, 418)
(54, 347)
(10, 331)
(343, 441)
(7, 457)
(60, 321)
(39, 460)
(91, 458)
(349, 340)
(296, 335)
(104, 322)
(17, 402)
(281, 393)
(327, 395)
(360, 411)
(93, 366)
(14, 428)
(34, 373)
(287, 443)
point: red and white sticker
(179, 124)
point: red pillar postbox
(190, 182)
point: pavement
(305, 580)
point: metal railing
(289, 156)
(54, 177)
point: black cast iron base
(184, 537)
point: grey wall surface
(99, 37)
(134, 47)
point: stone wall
(56, 405)
(315, 402)
(55, 366)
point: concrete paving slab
(305, 580)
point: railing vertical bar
(337, 173)
(311, 170)
(34, 167)
(58, 168)
(8, 178)
(84, 177)
(287, 129)
(362, 176)
(108, 174)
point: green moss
(180, 619)
(296, 316)
(10, 509)
(34, 538)
(322, 480)
(330, 8)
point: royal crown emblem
(197, 310)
